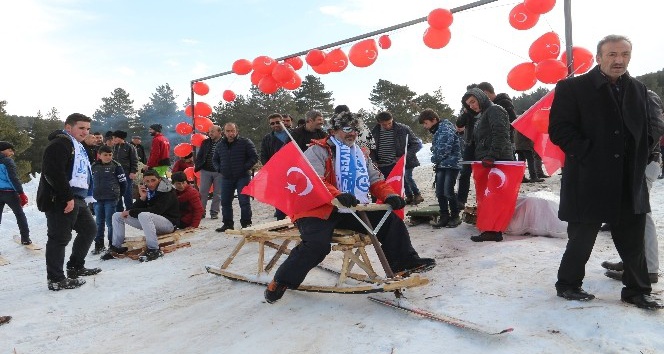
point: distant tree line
(249, 112)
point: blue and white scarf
(351, 172)
(81, 174)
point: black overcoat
(605, 146)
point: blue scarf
(351, 171)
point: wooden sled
(167, 242)
(280, 234)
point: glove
(348, 200)
(24, 199)
(488, 162)
(395, 201)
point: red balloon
(264, 64)
(182, 149)
(521, 18)
(337, 60)
(541, 121)
(295, 62)
(283, 72)
(522, 77)
(189, 172)
(384, 42)
(546, 46)
(550, 71)
(540, 6)
(200, 88)
(256, 77)
(268, 85)
(583, 59)
(322, 69)
(440, 18)
(203, 124)
(188, 111)
(437, 38)
(294, 83)
(197, 139)
(202, 109)
(242, 67)
(315, 57)
(184, 128)
(228, 96)
(363, 53)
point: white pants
(151, 224)
(651, 246)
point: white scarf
(81, 171)
(351, 172)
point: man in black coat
(126, 155)
(600, 120)
(234, 157)
(65, 183)
(273, 142)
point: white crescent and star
(500, 175)
(393, 179)
(291, 187)
(524, 17)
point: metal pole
(363, 36)
(568, 37)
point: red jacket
(191, 208)
(181, 165)
(160, 151)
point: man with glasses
(271, 143)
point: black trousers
(316, 236)
(628, 234)
(11, 199)
(464, 175)
(60, 226)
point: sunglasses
(274, 123)
(349, 129)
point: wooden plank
(233, 254)
(280, 251)
(175, 246)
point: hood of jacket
(481, 97)
(164, 185)
(58, 134)
(502, 97)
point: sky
(69, 54)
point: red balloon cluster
(182, 149)
(438, 34)
(200, 88)
(526, 14)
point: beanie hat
(120, 134)
(4, 145)
(156, 127)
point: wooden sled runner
(167, 242)
(279, 235)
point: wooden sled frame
(167, 242)
(279, 234)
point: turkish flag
(396, 181)
(496, 190)
(534, 123)
(289, 183)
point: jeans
(59, 227)
(409, 183)
(228, 188)
(209, 178)
(447, 199)
(128, 198)
(104, 210)
(11, 199)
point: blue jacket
(9, 176)
(235, 160)
(108, 180)
(446, 146)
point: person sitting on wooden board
(156, 212)
(191, 208)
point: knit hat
(156, 127)
(120, 134)
(4, 145)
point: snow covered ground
(172, 305)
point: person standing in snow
(11, 190)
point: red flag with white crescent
(497, 189)
(396, 181)
(289, 183)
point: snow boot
(228, 225)
(617, 266)
(113, 253)
(245, 223)
(488, 236)
(65, 283)
(151, 255)
(575, 294)
(454, 222)
(644, 301)
(99, 248)
(74, 273)
(442, 221)
(274, 292)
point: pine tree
(312, 96)
(115, 112)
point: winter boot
(151, 255)
(228, 225)
(454, 222)
(617, 266)
(442, 221)
(274, 292)
(245, 223)
(65, 283)
(575, 294)
(99, 248)
(417, 199)
(488, 236)
(113, 253)
(74, 273)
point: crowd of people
(617, 130)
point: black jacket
(164, 203)
(57, 165)
(140, 152)
(303, 137)
(108, 180)
(126, 155)
(235, 160)
(401, 131)
(606, 147)
(492, 129)
(270, 145)
(201, 156)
